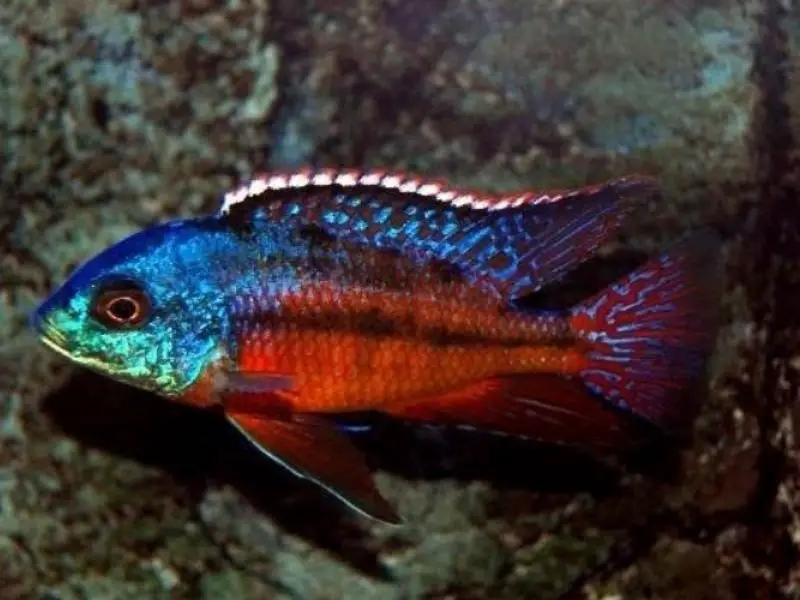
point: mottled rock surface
(116, 113)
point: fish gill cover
(116, 115)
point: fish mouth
(51, 337)
(54, 345)
(56, 341)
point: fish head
(144, 311)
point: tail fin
(648, 335)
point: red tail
(650, 333)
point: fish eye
(122, 304)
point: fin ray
(648, 336)
(542, 407)
(254, 382)
(313, 449)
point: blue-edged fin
(513, 244)
(648, 336)
(529, 247)
(313, 449)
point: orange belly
(343, 371)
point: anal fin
(313, 449)
(542, 407)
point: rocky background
(115, 114)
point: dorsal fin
(408, 184)
(518, 242)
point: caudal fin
(649, 334)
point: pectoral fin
(313, 449)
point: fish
(321, 293)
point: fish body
(321, 293)
(350, 346)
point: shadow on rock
(198, 448)
(433, 453)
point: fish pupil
(122, 305)
(123, 309)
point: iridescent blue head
(151, 310)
